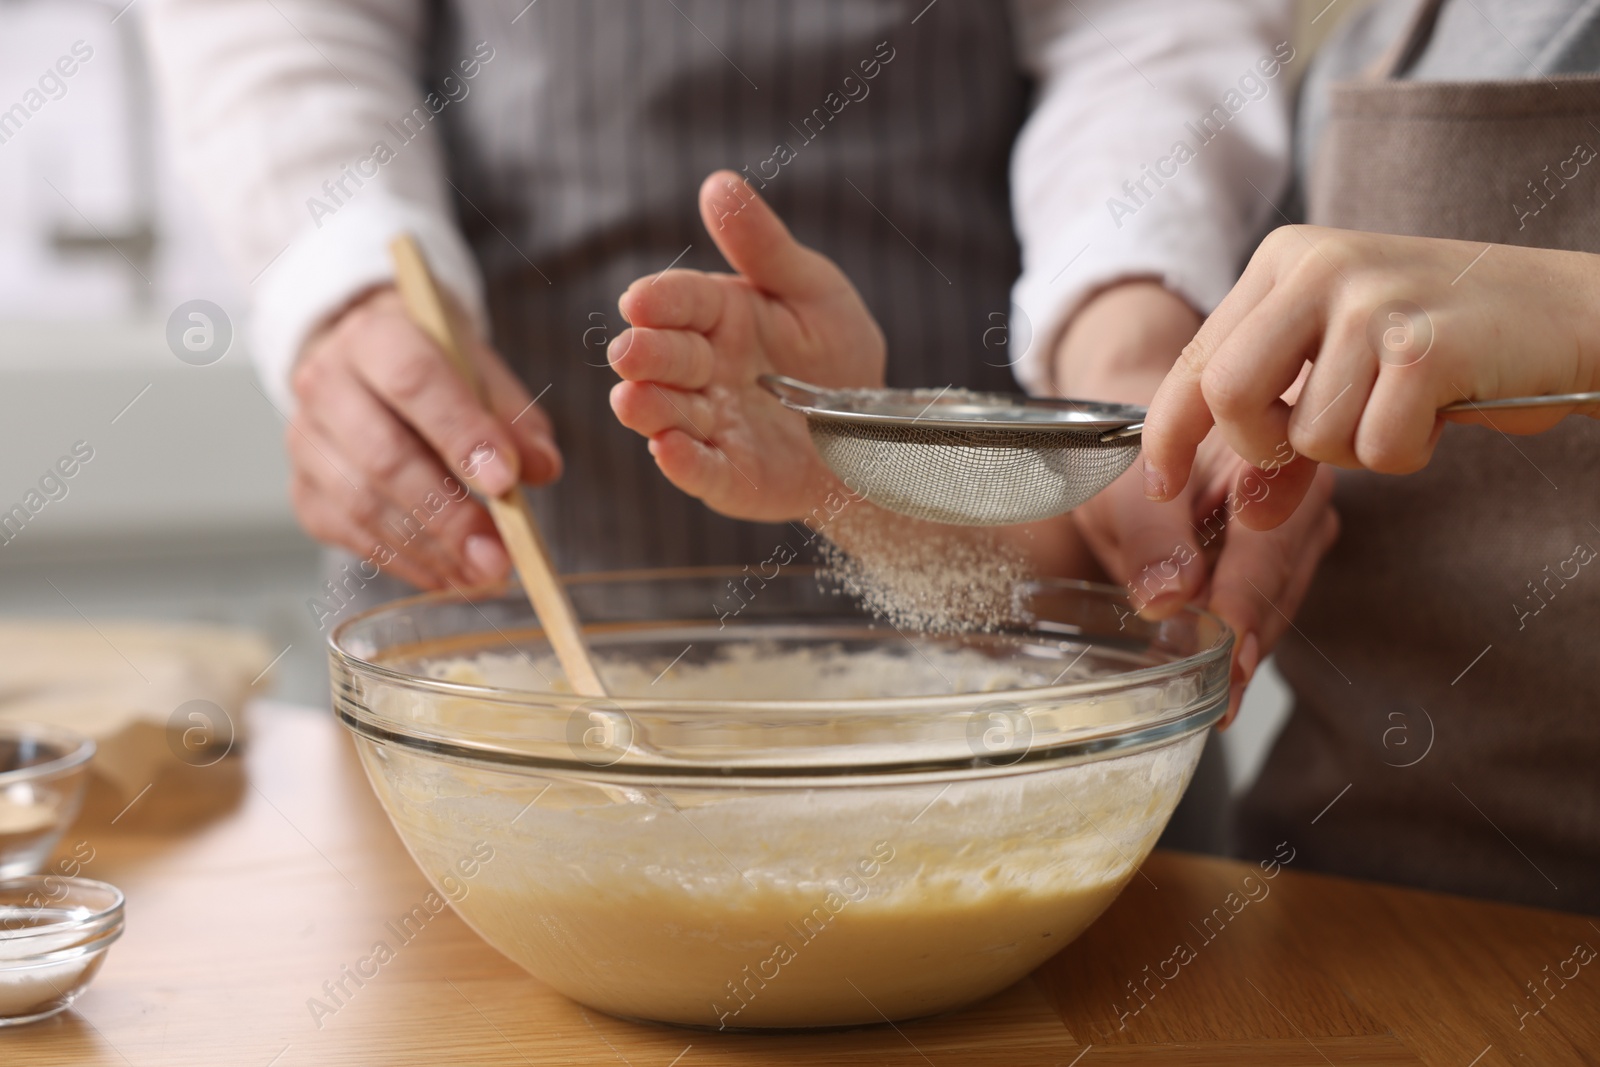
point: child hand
(698, 342)
(1395, 329)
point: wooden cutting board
(254, 881)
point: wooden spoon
(512, 515)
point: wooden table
(252, 882)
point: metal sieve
(964, 458)
(991, 459)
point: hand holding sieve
(990, 459)
(964, 458)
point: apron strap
(1408, 45)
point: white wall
(182, 512)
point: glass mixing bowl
(788, 814)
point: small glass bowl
(43, 774)
(54, 932)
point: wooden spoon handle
(513, 516)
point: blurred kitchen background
(183, 511)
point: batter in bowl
(728, 906)
(863, 951)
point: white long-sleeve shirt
(1158, 132)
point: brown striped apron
(1446, 727)
(578, 156)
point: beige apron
(1445, 665)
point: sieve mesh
(971, 477)
(964, 458)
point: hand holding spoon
(513, 517)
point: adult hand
(385, 434)
(1395, 328)
(1119, 347)
(698, 341)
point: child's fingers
(679, 358)
(1400, 424)
(1328, 409)
(1179, 417)
(676, 300)
(648, 409)
(1254, 366)
(1178, 420)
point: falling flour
(922, 577)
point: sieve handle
(791, 391)
(1509, 403)
(1517, 403)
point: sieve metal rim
(812, 402)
